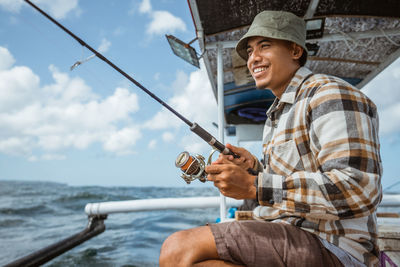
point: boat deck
(389, 239)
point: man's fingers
(223, 159)
(246, 159)
(214, 169)
(234, 149)
(215, 172)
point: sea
(34, 215)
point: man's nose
(254, 57)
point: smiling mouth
(259, 69)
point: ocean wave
(26, 211)
(82, 196)
(40, 214)
(11, 222)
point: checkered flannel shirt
(322, 166)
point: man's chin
(261, 85)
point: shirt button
(271, 201)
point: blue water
(34, 215)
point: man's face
(271, 62)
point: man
(320, 184)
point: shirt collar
(289, 96)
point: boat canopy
(351, 39)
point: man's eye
(265, 45)
(249, 51)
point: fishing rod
(194, 127)
(192, 167)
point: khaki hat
(277, 25)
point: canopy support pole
(221, 123)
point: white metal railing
(390, 200)
(103, 208)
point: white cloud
(391, 122)
(196, 102)
(104, 46)
(181, 81)
(11, 5)
(66, 89)
(162, 120)
(121, 141)
(164, 22)
(168, 136)
(64, 114)
(385, 93)
(47, 157)
(17, 86)
(57, 8)
(195, 145)
(53, 157)
(7, 59)
(15, 145)
(145, 6)
(152, 144)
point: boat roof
(359, 39)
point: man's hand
(231, 179)
(245, 161)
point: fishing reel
(193, 167)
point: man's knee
(186, 247)
(172, 249)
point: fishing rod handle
(206, 136)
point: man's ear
(297, 51)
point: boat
(354, 40)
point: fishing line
(194, 127)
(94, 77)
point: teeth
(256, 70)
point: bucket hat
(277, 25)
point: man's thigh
(189, 246)
(259, 243)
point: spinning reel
(193, 167)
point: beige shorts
(258, 243)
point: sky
(90, 125)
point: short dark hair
(303, 58)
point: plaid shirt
(322, 163)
